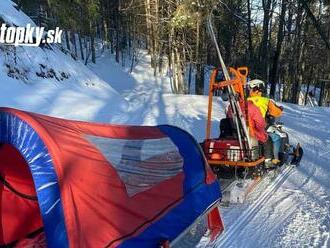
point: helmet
(256, 84)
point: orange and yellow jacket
(257, 124)
(266, 105)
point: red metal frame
(239, 76)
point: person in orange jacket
(269, 110)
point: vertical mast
(234, 104)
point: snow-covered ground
(50, 82)
(150, 98)
(296, 212)
(293, 211)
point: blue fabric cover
(23, 137)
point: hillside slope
(51, 82)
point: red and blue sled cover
(100, 185)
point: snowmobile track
(229, 234)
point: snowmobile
(239, 161)
(235, 157)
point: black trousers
(267, 148)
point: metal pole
(236, 109)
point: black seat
(227, 130)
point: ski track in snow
(297, 213)
(229, 235)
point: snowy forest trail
(151, 101)
(294, 209)
(295, 212)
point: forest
(286, 43)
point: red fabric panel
(19, 217)
(37, 242)
(103, 130)
(96, 205)
(97, 208)
(15, 169)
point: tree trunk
(321, 94)
(81, 48)
(149, 25)
(92, 34)
(307, 93)
(73, 35)
(93, 49)
(199, 67)
(189, 77)
(116, 31)
(171, 58)
(250, 34)
(263, 54)
(112, 42)
(155, 37)
(298, 55)
(117, 46)
(67, 40)
(88, 51)
(316, 23)
(106, 33)
(277, 55)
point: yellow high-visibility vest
(261, 102)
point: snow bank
(13, 17)
(47, 81)
(151, 100)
